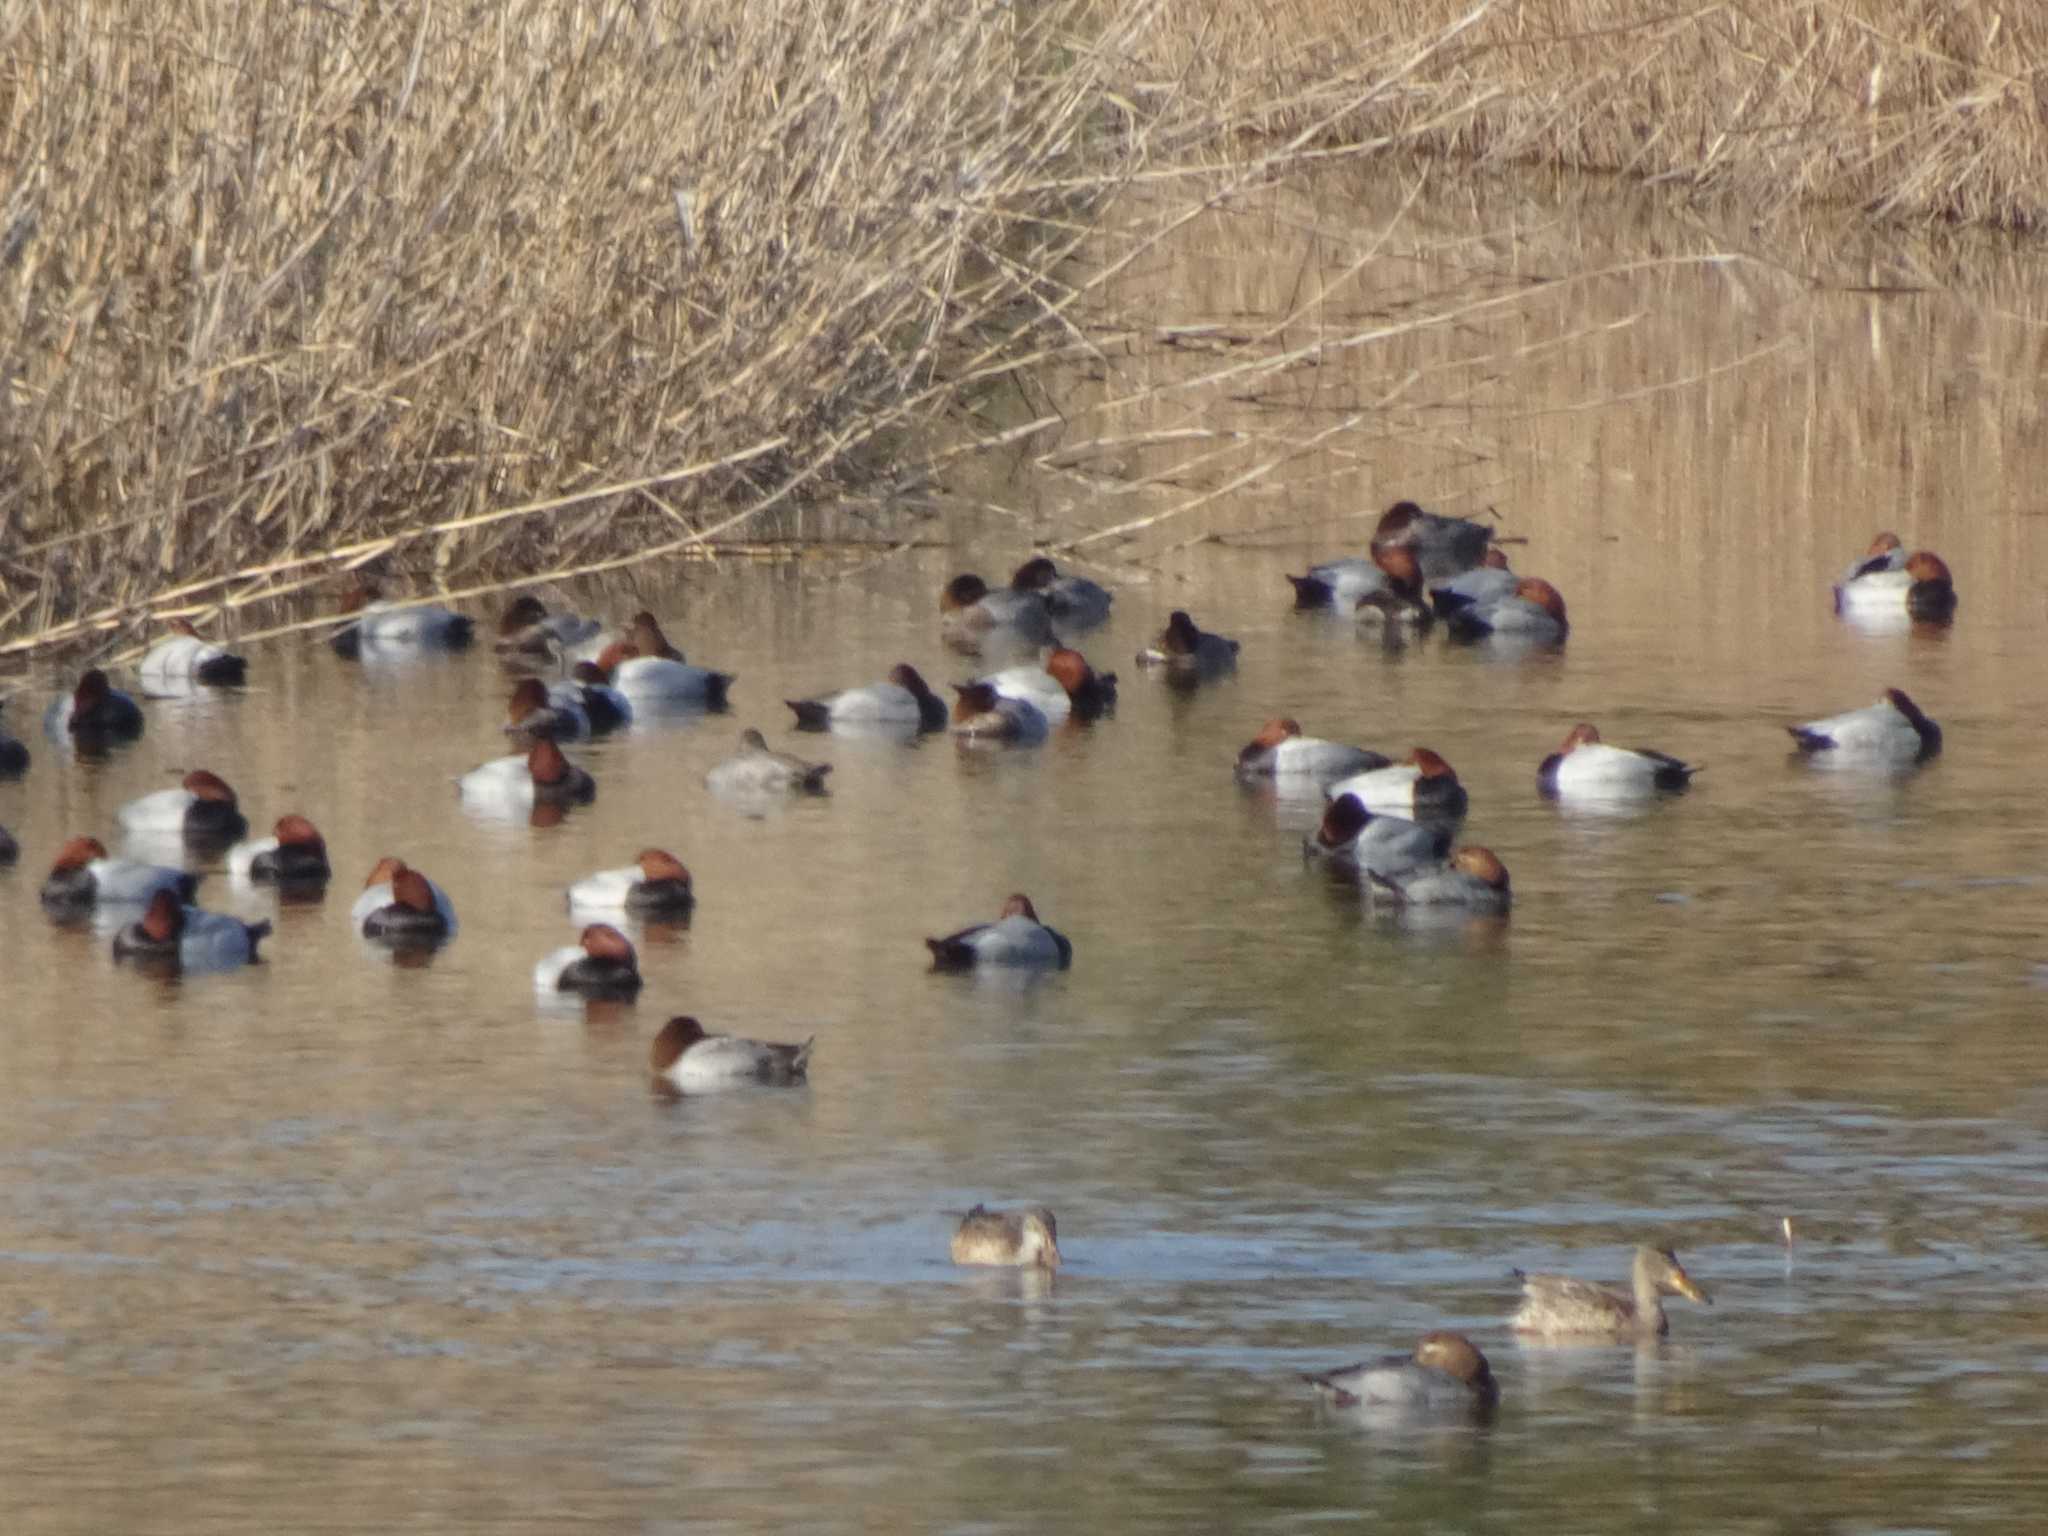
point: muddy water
(335, 1244)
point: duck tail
(258, 932)
(1311, 592)
(716, 688)
(811, 714)
(950, 955)
(225, 671)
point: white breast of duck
(1420, 787)
(182, 658)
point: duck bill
(1051, 1257)
(1690, 1289)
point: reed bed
(487, 294)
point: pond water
(331, 1243)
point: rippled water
(331, 1243)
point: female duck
(1420, 787)
(202, 809)
(1586, 767)
(187, 937)
(1066, 685)
(1379, 845)
(1015, 938)
(600, 964)
(1280, 751)
(685, 1059)
(1010, 1238)
(1074, 602)
(1533, 611)
(756, 771)
(982, 714)
(402, 906)
(655, 884)
(93, 714)
(396, 629)
(1186, 651)
(541, 777)
(182, 659)
(1445, 1377)
(1444, 545)
(971, 617)
(903, 700)
(1555, 1306)
(295, 855)
(83, 877)
(1893, 730)
(1472, 878)
(1919, 586)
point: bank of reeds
(489, 293)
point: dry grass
(510, 291)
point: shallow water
(331, 1243)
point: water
(335, 1244)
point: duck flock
(1391, 821)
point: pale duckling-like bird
(93, 714)
(599, 964)
(1012, 1238)
(539, 776)
(402, 906)
(1445, 1377)
(1893, 730)
(83, 877)
(169, 931)
(1918, 585)
(1560, 1306)
(1585, 766)
(1186, 651)
(980, 713)
(755, 770)
(1380, 845)
(1064, 686)
(1443, 546)
(181, 660)
(655, 884)
(380, 629)
(1074, 602)
(685, 1059)
(972, 617)
(903, 700)
(1421, 787)
(295, 855)
(1015, 938)
(1280, 751)
(202, 809)
(1534, 611)
(1472, 878)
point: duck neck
(1649, 1304)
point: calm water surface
(336, 1244)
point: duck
(536, 712)
(201, 809)
(13, 754)
(1886, 553)
(1280, 751)
(603, 706)
(685, 1059)
(973, 618)
(1421, 786)
(84, 877)
(1893, 730)
(1443, 545)
(1533, 611)
(181, 659)
(1472, 878)
(980, 713)
(527, 632)
(188, 938)
(1015, 938)
(94, 713)
(600, 964)
(1017, 1239)
(1399, 602)
(1587, 766)
(655, 884)
(1064, 686)
(903, 699)
(539, 776)
(295, 854)
(1560, 1306)
(1380, 845)
(755, 770)
(1337, 584)
(1445, 1376)
(1919, 586)
(376, 627)
(650, 678)
(1185, 650)
(401, 905)
(1486, 583)
(1074, 602)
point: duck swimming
(1472, 878)
(1486, 583)
(1073, 601)
(201, 809)
(1064, 686)
(170, 931)
(1893, 730)
(294, 855)
(1560, 1306)
(1445, 1376)
(182, 659)
(1010, 1238)
(529, 633)
(1281, 751)
(84, 877)
(1015, 938)
(600, 964)
(1585, 766)
(1187, 651)
(903, 699)
(378, 629)
(402, 906)
(1420, 787)
(980, 713)
(1919, 586)
(1443, 545)
(757, 771)
(1533, 611)
(685, 1059)
(655, 884)
(973, 618)
(1379, 845)
(93, 715)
